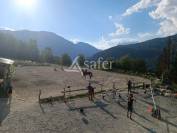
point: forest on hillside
(10, 47)
(167, 64)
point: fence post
(39, 97)
(143, 85)
(64, 95)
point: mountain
(87, 48)
(149, 50)
(58, 44)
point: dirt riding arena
(25, 114)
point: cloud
(142, 4)
(120, 30)
(114, 38)
(166, 12)
(6, 28)
(75, 40)
(105, 43)
(110, 17)
(146, 36)
(102, 43)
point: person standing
(130, 106)
(129, 86)
(90, 92)
(114, 91)
(93, 93)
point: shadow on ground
(4, 109)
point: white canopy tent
(6, 61)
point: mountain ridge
(58, 44)
(149, 50)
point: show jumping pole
(152, 95)
(156, 111)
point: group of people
(129, 102)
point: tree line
(167, 63)
(127, 63)
(10, 47)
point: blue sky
(103, 23)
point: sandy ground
(25, 114)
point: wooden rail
(50, 99)
(64, 92)
(140, 85)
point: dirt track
(26, 115)
(28, 81)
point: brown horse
(87, 73)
